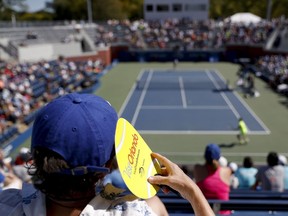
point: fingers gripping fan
(134, 160)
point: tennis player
(243, 130)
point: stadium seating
(30, 118)
(8, 134)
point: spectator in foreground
(8, 178)
(212, 178)
(174, 177)
(271, 176)
(223, 161)
(23, 156)
(246, 173)
(115, 179)
(234, 182)
(2, 180)
(21, 163)
(283, 162)
(72, 147)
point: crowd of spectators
(24, 87)
(216, 177)
(183, 34)
(274, 68)
(272, 176)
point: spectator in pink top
(212, 178)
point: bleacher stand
(25, 87)
(8, 133)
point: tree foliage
(111, 9)
(280, 8)
(6, 8)
(70, 10)
(225, 8)
(37, 16)
(133, 9)
(101, 10)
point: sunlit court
(187, 102)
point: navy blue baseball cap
(80, 128)
(212, 152)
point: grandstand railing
(240, 200)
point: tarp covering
(245, 18)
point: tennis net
(165, 83)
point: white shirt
(32, 202)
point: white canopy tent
(245, 18)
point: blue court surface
(187, 102)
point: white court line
(130, 93)
(223, 95)
(192, 155)
(165, 132)
(254, 154)
(183, 95)
(141, 99)
(188, 107)
(246, 106)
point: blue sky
(35, 5)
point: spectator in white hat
(234, 182)
(223, 161)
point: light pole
(269, 9)
(89, 11)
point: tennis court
(187, 102)
(186, 146)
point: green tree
(256, 7)
(7, 8)
(111, 9)
(225, 8)
(280, 8)
(40, 15)
(70, 9)
(220, 9)
(77, 10)
(133, 8)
